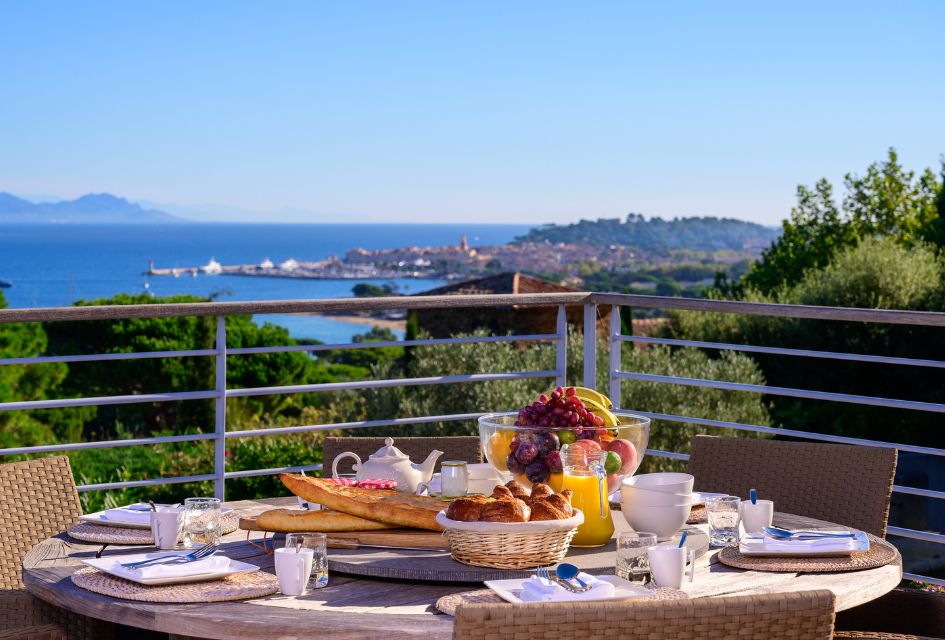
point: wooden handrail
(334, 305)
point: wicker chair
(38, 499)
(453, 448)
(848, 485)
(872, 635)
(802, 615)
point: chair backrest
(38, 499)
(799, 615)
(453, 448)
(845, 484)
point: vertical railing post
(590, 346)
(561, 347)
(219, 444)
(614, 343)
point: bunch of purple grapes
(563, 410)
(535, 453)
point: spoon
(785, 534)
(682, 540)
(153, 506)
(567, 572)
(754, 496)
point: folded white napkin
(537, 589)
(176, 570)
(132, 514)
(802, 547)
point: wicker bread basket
(510, 545)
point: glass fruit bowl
(531, 454)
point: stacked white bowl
(657, 502)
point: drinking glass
(722, 512)
(633, 562)
(317, 542)
(201, 522)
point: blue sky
(481, 111)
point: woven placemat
(102, 534)
(240, 586)
(448, 604)
(881, 553)
(697, 515)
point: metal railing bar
(359, 424)
(106, 357)
(921, 578)
(391, 343)
(891, 403)
(916, 491)
(107, 400)
(914, 534)
(106, 486)
(792, 432)
(799, 311)
(666, 454)
(804, 353)
(105, 444)
(271, 472)
(379, 384)
(261, 307)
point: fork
(542, 572)
(203, 552)
(786, 534)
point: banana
(610, 420)
(590, 394)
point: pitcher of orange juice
(584, 475)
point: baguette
(295, 521)
(390, 507)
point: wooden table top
(354, 608)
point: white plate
(99, 518)
(751, 545)
(104, 565)
(510, 589)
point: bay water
(56, 265)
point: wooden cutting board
(399, 538)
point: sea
(56, 265)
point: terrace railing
(590, 302)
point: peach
(613, 482)
(587, 445)
(627, 453)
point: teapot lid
(389, 452)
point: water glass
(723, 515)
(317, 544)
(633, 563)
(201, 522)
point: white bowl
(666, 482)
(641, 497)
(663, 521)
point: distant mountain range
(102, 208)
(659, 235)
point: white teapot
(390, 463)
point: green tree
(20, 383)
(886, 201)
(877, 273)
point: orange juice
(597, 529)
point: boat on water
(212, 268)
(5, 284)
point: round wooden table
(352, 607)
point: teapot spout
(426, 467)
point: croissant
(466, 509)
(517, 490)
(541, 490)
(559, 503)
(505, 511)
(501, 493)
